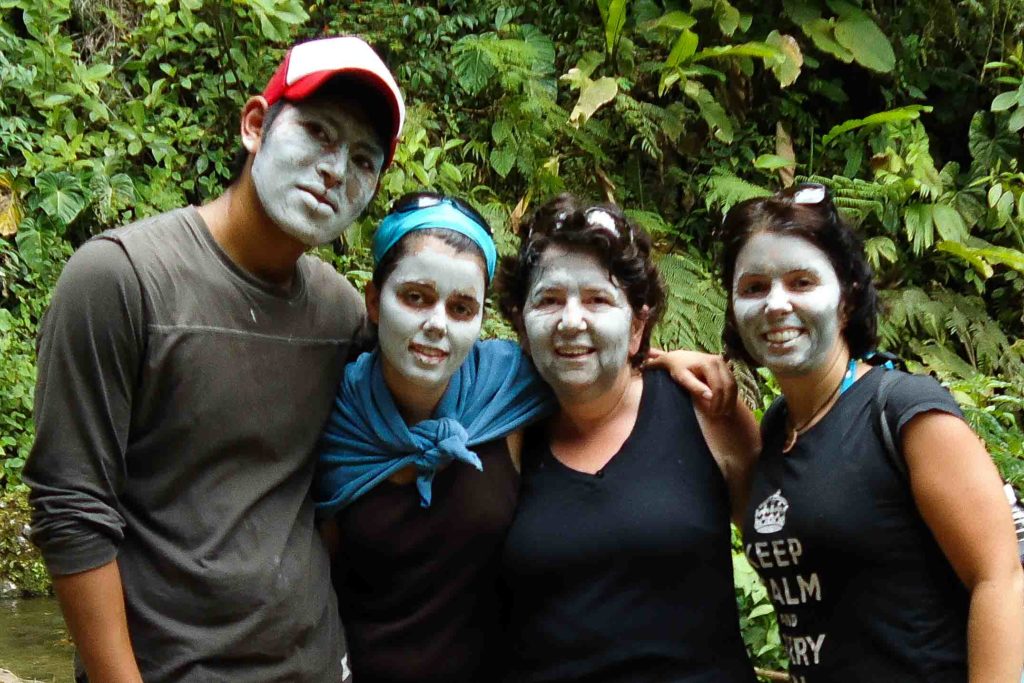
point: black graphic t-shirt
(861, 589)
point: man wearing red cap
(186, 366)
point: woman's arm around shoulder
(735, 442)
(959, 494)
(706, 376)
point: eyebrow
(761, 269)
(333, 118)
(371, 148)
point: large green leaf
(786, 66)
(907, 113)
(771, 162)
(593, 96)
(728, 17)
(30, 246)
(684, 48)
(1004, 101)
(856, 31)
(472, 67)
(822, 34)
(61, 195)
(502, 160)
(1016, 120)
(948, 223)
(614, 22)
(112, 193)
(751, 49)
(983, 268)
(989, 142)
(673, 21)
(801, 11)
(981, 258)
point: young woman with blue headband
(417, 479)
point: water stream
(33, 641)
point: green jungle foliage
(911, 111)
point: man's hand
(706, 376)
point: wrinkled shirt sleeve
(90, 346)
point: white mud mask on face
(578, 324)
(316, 169)
(431, 308)
(785, 298)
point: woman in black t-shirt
(618, 560)
(882, 566)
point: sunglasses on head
(595, 217)
(425, 200)
(807, 194)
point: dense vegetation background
(912, 111)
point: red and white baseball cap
(309, 65)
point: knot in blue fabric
(441, 442)
(494, 392)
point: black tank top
(861, 589)
(416, 586)
(626, 575)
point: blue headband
(443, 215)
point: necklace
(796, 430)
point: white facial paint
(431, 308)
(786, 296)
(579, 325)
(317, 169)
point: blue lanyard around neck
(849, 377)
(851, 371)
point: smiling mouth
(779, 337)
(572, 352)
(428, 354)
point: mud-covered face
(317, 168)
(580, 329)
(430, 311)
(786, 300)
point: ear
(636, 329)
(372, 298)
(517, 322)
(843, 314)
(253, 114)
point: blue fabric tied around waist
(494, 392)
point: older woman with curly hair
(618, 560)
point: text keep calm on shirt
(860, 587)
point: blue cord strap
(851, 369)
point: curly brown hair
(625, 251)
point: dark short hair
(563, 221)
(822, 226)
(345, 88)
(456, 240)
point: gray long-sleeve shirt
(177, 406)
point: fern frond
(695, 310)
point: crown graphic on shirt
(770, 515)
